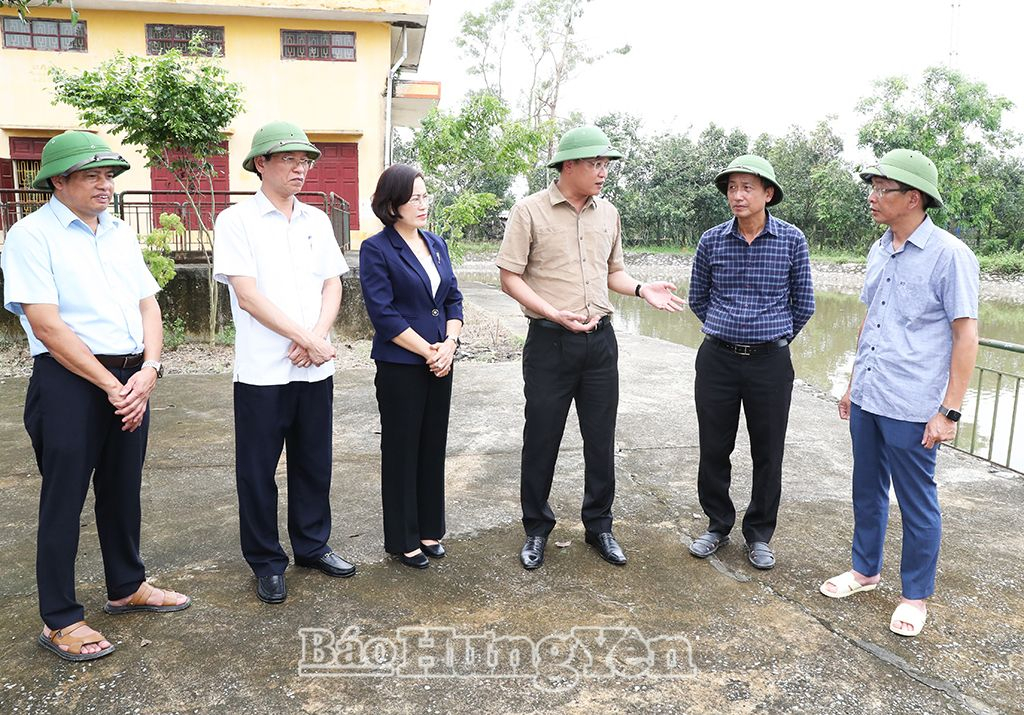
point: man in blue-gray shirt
(751, 287)
(915, 354)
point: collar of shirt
(67, 217)
(771, 227)
(264, 206)
(557, 197)
(919, 237)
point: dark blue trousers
(298, 415)
(890, 451)
(77, 438)
(559, 368)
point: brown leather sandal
(138, 602)
(62, 636)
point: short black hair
(394, 188)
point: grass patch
(1003, 264)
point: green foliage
(174, 333)
(1003, 264)
(226, 335)
(471, 159)
(956, 123)
(158, 244)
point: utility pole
(954, 35)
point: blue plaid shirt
(752, 293)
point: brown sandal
(62, 636)
(138, 602)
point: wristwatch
(156, 365)
(458, 341)
(638, 287)
(951, 415)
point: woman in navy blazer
(414, 303)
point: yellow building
(322, 64)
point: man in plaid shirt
(751, 287)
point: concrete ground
(665, 634)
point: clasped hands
(440, 358)
(317, 352)
(130, 399)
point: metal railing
(142, 209)
(992, 410)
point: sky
(756, 65)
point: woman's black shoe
(434, 551)
(419, 561)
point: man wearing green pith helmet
(915, 354)
(74, 274)
(283, 268)
(561, 254)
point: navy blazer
(396, 291)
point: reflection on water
(823, 357)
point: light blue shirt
(913, 296)
(96, 280)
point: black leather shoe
(532, 555)
(419, 561)
(760, 555)
(434, 551)
(271, 589)
(330, 563)
(707, 544)
(608, 547)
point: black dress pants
(414, 407)
(763, 384)
(268, 417)
(77, 437)
(558, 368)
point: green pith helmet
(74, 151)
(750, 164)
(276, 138)
(907, 167)
(583, 143)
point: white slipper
(846, 585)
(908, 614)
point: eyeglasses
(881, 192)
(598, 165)
(420, 199)
(304, 163)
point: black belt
(604, 322)
(745, 350)
(112, 362)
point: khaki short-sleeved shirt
(564, 256)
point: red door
(167, 193)
(7, 213)
(337, 170)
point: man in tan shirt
(561, 255)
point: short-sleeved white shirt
(290, 261)
(96, 280)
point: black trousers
(268, 417)
(560, 367)
(77, 438)
(763, 384)
(414, 407)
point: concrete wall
(187, 297)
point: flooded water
(823, 358)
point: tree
(175, 108)
(471, 159)
(483, 39)
(954, 121)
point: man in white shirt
(283, 267)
